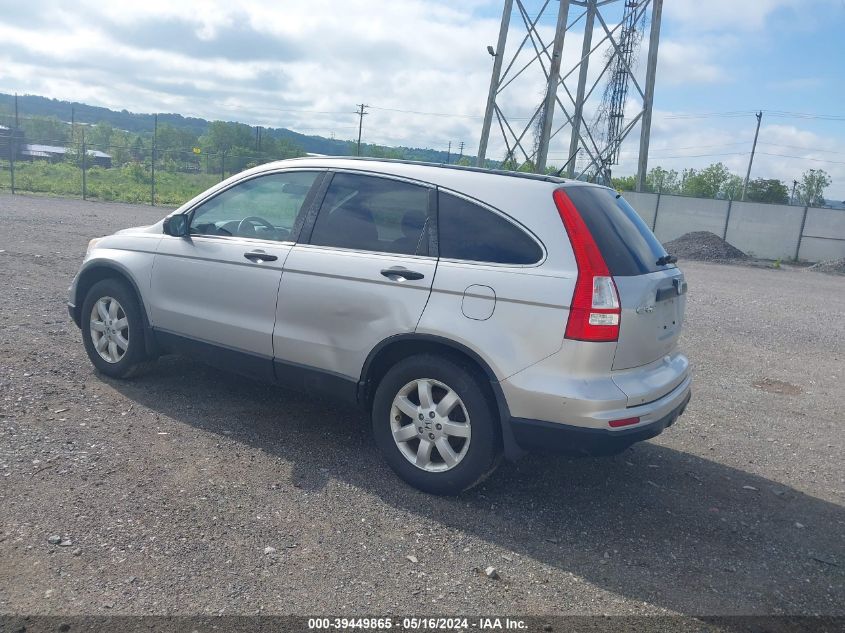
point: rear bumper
(538, 435)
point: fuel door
(478, 302)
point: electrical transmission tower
(531, 132)
(609, 121)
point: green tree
(732, 188)
(660, 180)
(811, 187)
(120, 142)
(47, 130)
(625, 183)
(222, 136)
(99, 136)
(707, 183)
(767, 190)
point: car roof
(400, 167)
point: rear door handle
(398, 272)
(260, 256)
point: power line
(784, 114)
(809, 149)
(815, 160)
(441, 114)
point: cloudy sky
(422, 67)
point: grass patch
(130, 183)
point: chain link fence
(118, 173)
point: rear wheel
(113, 329)
(435, 424)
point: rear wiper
(666, 259)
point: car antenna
(566, 164)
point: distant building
(57, 153)
(6, 136)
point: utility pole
(498, 57)
(759, 116)
(792, 197)
(12, 152)
(460, 151)
(153, 163)
(449, 153)
(84, 167)
(360, 114)
(16, 111)
(548, 111)
(648, 98)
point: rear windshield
(627, 244)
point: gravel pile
(830, 266)
(703, 246)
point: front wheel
(113, 329)
(436, 425)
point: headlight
(92, 245)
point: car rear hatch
(651, 289)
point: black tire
(484, 449)
(134, 360)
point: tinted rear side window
(374, 214)
(471, 232)
(627, 244)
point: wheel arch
(98, 271)
(391, 350)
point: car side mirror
(176, 225)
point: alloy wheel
(430, 425)
(109, 329)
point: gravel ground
(193, 491)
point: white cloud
(305, 65)
(682, 62)
(783, 152)
(736, 15)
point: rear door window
(627, 244)
(374, 214)
(468, 231)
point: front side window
(374, 214)
(470, 232)
(265, 207)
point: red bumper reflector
(626, 422)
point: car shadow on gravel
(654, 524)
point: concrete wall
(824, 235)
(677, 215)
(769, 231)
(765, 230)
(644, 204)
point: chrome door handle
(398, 273)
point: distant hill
(32, 105)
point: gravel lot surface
(193, 491)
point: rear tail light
(594, 314)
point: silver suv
(471, 313)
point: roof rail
(402, 161)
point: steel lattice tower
(560, 108)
